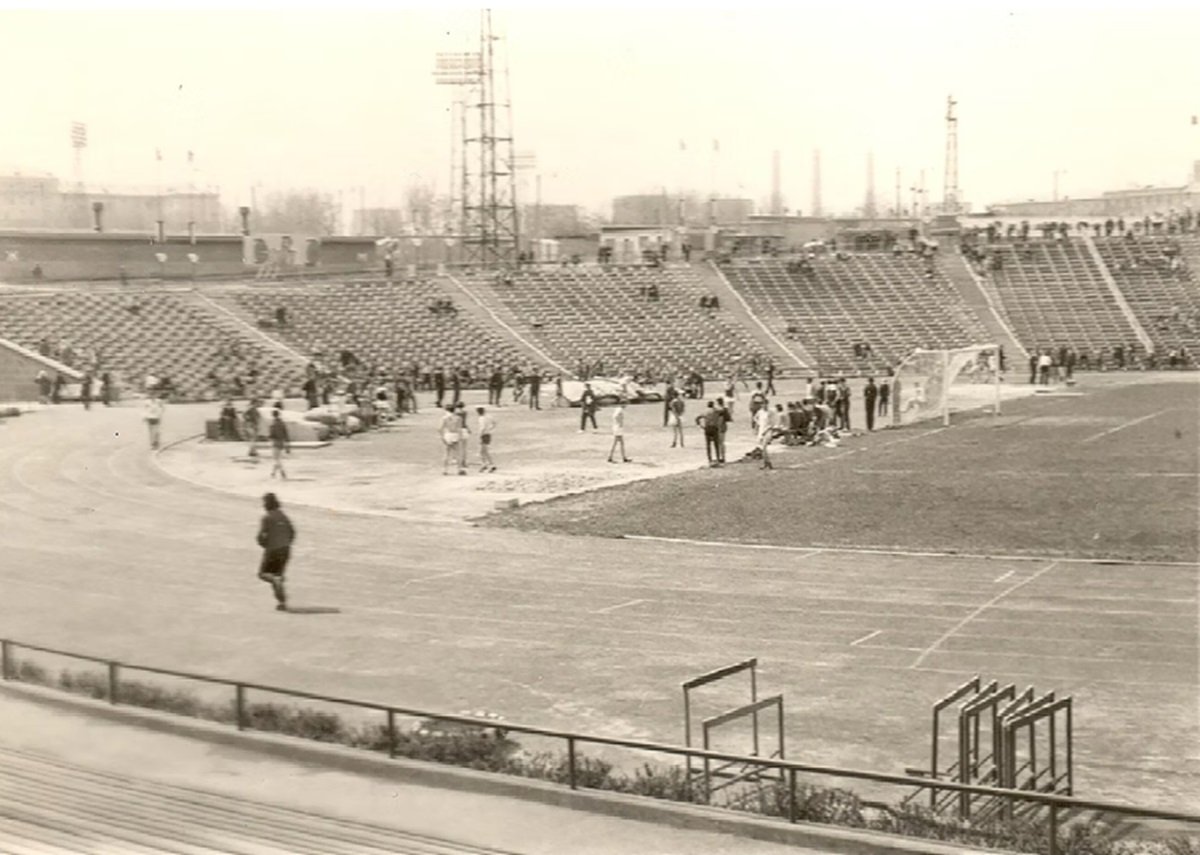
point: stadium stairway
(1140, 331)
(977, 298)
(231, 317)
(787, 355)
(492, 313)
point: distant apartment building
(41, 201)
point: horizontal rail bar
(720, 672)
(742, 711)
(681, 750)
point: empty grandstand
(167, 333)
(1159, 287)
(1054, 295)
(390, 325)
(629, 318)
(859, 313)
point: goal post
(929, 384)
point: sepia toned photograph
(610, 429)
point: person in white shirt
(763, 433)
(618, 430)
(153, 413)
(487, 426)
(450, 429)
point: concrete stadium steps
(582, 314)
(385, 323)
(790, 357)
(1054, 294)
(137, 331)
(973, 294)
(1153, 291)
(870, 298)
(50, 806)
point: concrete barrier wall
(84, 256)
(19, 367)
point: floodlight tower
(484, 151)
(950, 190)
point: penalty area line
(866, 637)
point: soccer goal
(933, 383)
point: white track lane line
(608, 609)
(977, 612)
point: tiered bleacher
(637, 319)
(1160, 288)
(135, 333)
(860, 313)
(1054, 295)
(384, 324)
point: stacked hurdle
(1006, 739)
(715, 779)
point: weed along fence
(787, 789)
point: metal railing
(789, 769)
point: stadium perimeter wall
(27, 256)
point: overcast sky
(333, 96)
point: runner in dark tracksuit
(275, 536)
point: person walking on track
(276, 536)
(281, 443)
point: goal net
(931, 384)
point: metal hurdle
(1055, 774)
(749, 773)
(750, 710)
(971, 765)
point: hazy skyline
(334, 97)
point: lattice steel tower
(483, 161)
(950, 190)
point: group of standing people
(454, 431)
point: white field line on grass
(980, 610)
(866, 637)
(1004, 576)
(1124, 425)
(905, 553)
(608, 609)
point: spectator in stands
(618, 433)
(587, 408)
(870, 395)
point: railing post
(5, 660)
(1053, 829)
(571, 762)
(114, 685)
(391, 727)
(793, 808)
(240, 706)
